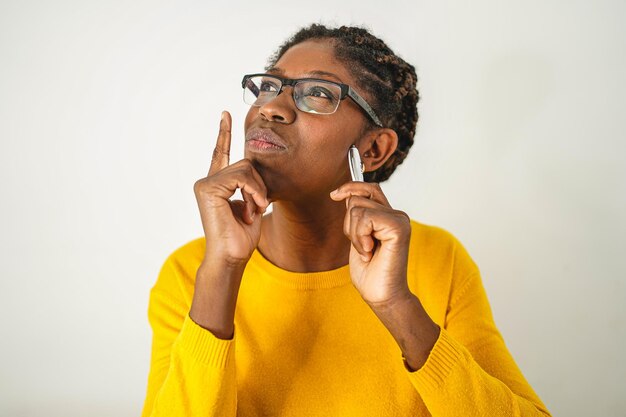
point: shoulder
(438, 262)
(433, 235)
(435, 241)
(178, 272)
(191, 252)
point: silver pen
(356, 166)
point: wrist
(213, 261)
(396, 301)
(411, 326)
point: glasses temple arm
(361, 102)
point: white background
(109, 111)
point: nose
(281, 109)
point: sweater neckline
(302, 280)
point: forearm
(192, 372)
(452, 380)
(215, 298)
(452, 383)
(411, 327)
(200, 377)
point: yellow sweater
(306, 344)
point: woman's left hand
(380, 239)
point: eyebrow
(313, 73)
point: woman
(334, 303)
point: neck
(305, 237)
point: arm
(463, 368)
(469, 370)
(192, 372)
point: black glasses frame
(346, 91)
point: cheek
(249, 117)
(325, 150)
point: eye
(268, 86)
(318, 91)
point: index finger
(360, 189)
(221, 153)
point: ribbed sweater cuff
(445, 355)
(203, 346)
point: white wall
(108, 114)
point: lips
(264, 139)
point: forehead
(310, 58)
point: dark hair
(388, 80)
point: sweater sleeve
(192, 372)
(469, 371)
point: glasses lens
(317, 96)
(260, 89)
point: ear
(376, 147)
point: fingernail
(223, 115)
(364, 258)
(334, 191)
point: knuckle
(354, 202)
(378, 194)
(197, 186)
(219, 152)
(357, 212)
(244, 174)
(202, 186)
(403, 219)
(244, 166)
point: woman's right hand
(232, 228)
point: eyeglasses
(311, 95)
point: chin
(284, 185)
(274, 180)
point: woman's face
(311, 160)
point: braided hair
(387, 78)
